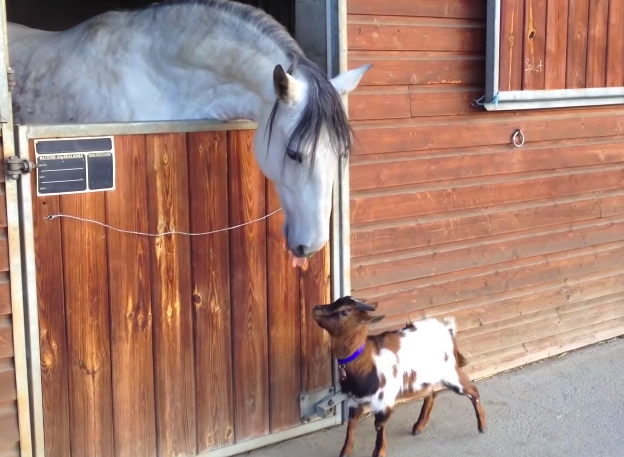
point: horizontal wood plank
(468, 9)
(9, 430)
(542, 348)
(385, 102)
(4, 254)
(431, 261)
(412, 201)
(388, 33)
(3, 209)
(396, 169)
(5, 294)
(375, 137)
(6, 337)
(564, 319)
(447, 100)
(7, 381)
(455, 287)
(549, 310)
(480, 312)
(447, 227)
(410, 67)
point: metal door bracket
(320, 404)
(14, 167)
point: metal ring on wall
(517, 133)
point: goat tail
(449, 323)
(461, 360)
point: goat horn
(365, 306)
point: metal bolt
(302, 398)
(330, 402)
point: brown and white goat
(376, 370)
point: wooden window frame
(497, 100)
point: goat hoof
(481, 429)
(417, 430)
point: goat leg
(381, 419)
(471, 391)
(354, 417)
(425, 414)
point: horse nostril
(300, 251)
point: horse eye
(294, 155)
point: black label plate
(75, 165)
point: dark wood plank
(6, 337)
(168, 209)
(429, 101)
(480, 222)
(88, 326)
(615, 44)
(597, 43)
(284, 324)
(468, 9)
(410, 67)
(425, 262)
(511, 43)
(315, 349)
(534, 44)
(387, 102)
(399, 169)
(208, 172)
(5, 294)
(249, 292)
(130, 302)
(414, 201)
(578, 22)
(556, 44)
(388, 33)
(52, 323)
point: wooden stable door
(173, 345)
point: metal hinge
(10, 78)
(14, 167)
(320, 404)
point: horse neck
(234, 73)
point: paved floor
(571, 406)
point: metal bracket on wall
(10, 78)
(14, 167)
(319, 404)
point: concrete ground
(571, 405)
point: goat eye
(294, 155)
(344, 313)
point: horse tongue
(301, 262)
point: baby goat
(375, 370)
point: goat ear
(373, 319)
(287, 89)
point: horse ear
(347, 81)
(287, 89)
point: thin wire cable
(172, 232)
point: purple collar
(353, 356)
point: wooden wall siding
(561, 44)
(176, 345)
(522, 245)
(9, 431)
